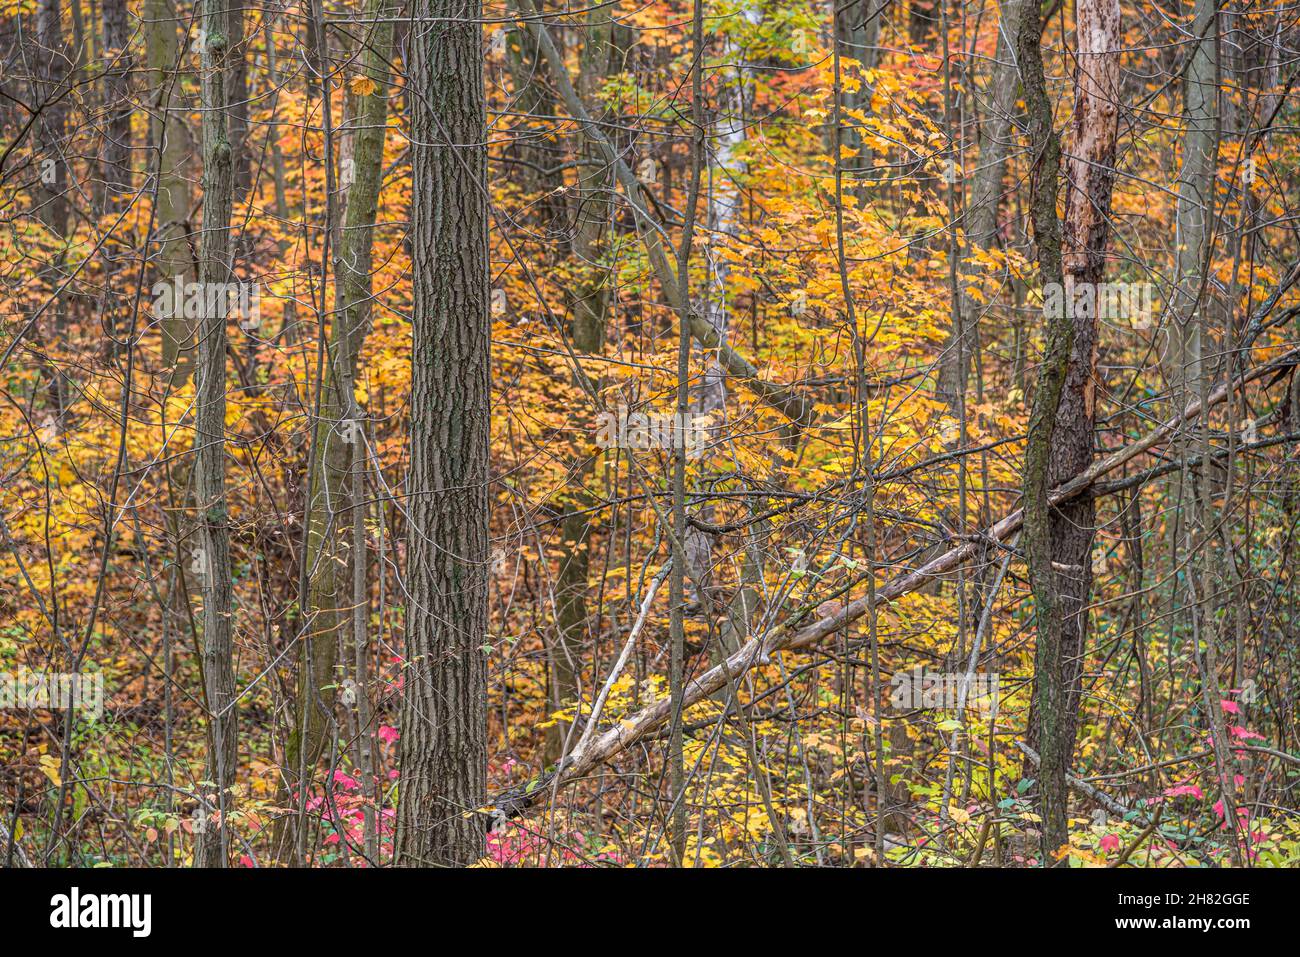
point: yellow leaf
(50, 765)
(362, 85)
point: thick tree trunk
(444, 709)
(213, 845)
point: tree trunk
(241, 160)
(52, 66)
(601, 55)
(535, 149)
(1089, 179)
(116, 152)
(984, 199)
(444, 709)
(857, 27)
(338, 435)
(1195, 205)
(213, 845)
(171, 217)
(922, 19)
(1049, 700)
(725, 205)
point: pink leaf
(1245, 734)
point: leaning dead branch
(602, 747)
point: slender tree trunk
(53, 71)
(338, 433)
(725, 205)
(1195, 204)
(365, 732)
(857, 27)
(172, 233)
(1206, 581)
(601, 55)
(1089, 180)
(116, 154)
(444, 709)
(922, 18)
(539, 163)
(1049, 700)
(288, 331)
(984, 199)
(1184, 351)
(171, 218)
(213, 845)
(241, 158)
(52, 66)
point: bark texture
(444, 710)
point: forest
(649, 434)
